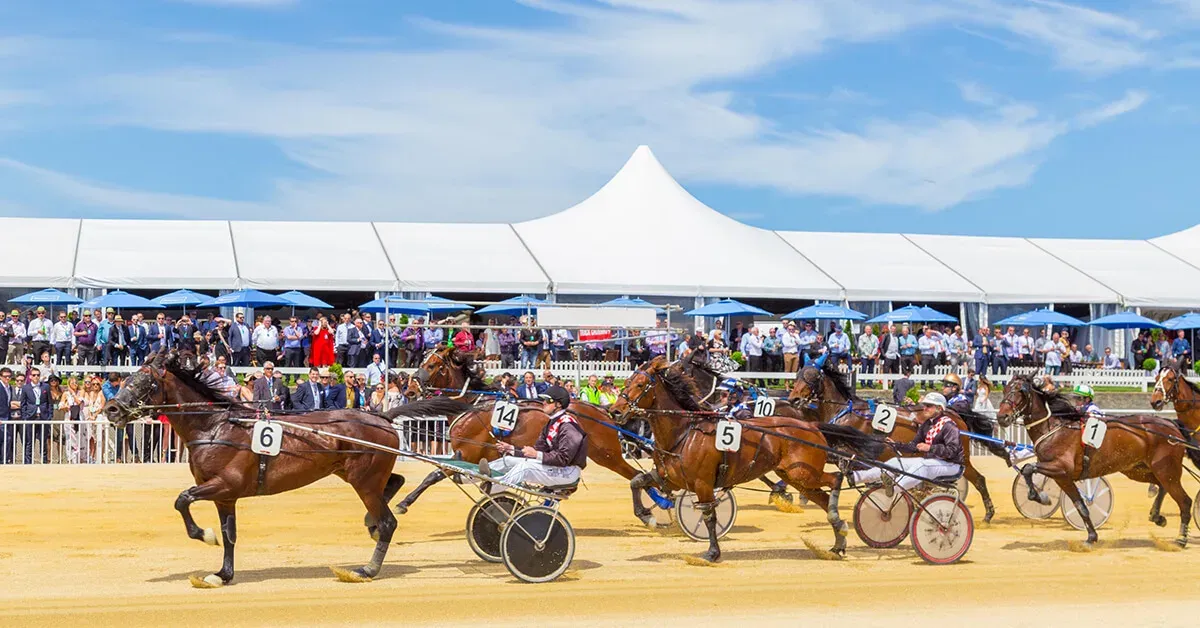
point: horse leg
(1156, 510)
(980, 483)
(1072, 491)
(394, 483)
(808, 484)
(643, 482)
(1168, 473)
(385, 527)
(840, 529)
(706, 501)
(430, 480)
(1035, 495)
(183, 504)
(227, 512)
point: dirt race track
(89, 546)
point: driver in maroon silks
(557, 457)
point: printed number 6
(266, 438)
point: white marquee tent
(652, 215)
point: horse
(472, 439)
(686, 457)
(1172, 387)
(1144, 448)
(214, 428)
(834, 401)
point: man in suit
(185, 334)
(334, 393)
(118, 342)
(35, 406)
(308, 394)
(354, 343)
(6, 433)
(529, 389)
(268, 391)
(239, 340)
(159, 334)
(139, 341)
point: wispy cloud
(1132, 100)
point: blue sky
(994, 117)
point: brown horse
(1145, 448)
(472, 438)
(226, 470)
(835, 403)
(1172, 387)
(686, 456)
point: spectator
(807, 339)
(735, 335)
(530, 340)
(908, 349)
(956, 348)
(116, 346)
(1181, 350)
(1110, 361)
(981, 348)
(868, 350)
(378, 398)
(529, 389)
(1001, 345)
(591, 391)
(39, 332)
(1076, 356)
(335, 392)
(772, 349)
(354, 346)
(185, 334)
(1023, 348)
(322, 344)
(15, 332)
(159, 334)
(62, 335)
(104, 328)
(509, 346)
(751, 346)
(491, 341)
(268, 393)
(1051, 356)
(307, 397)
(376, 371)
(464, 340)
(266, 344)
(431, 336)
(35, 406)
(1162, 348)
(47, 367)
(790, 343)
(1140, 348)
(561, 342)
(413, 342)
(903, 385)
(889, 348)
(7, 406)
(839, 347)
(293, 344)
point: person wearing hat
(937, 441)
(117, 346)
(733, 399)
(16, 338)
(104, 325)
(1089, 410)
(960, 402)
(555, 460)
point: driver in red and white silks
(555, 460)
(937, 439)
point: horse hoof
(400, 509)
(1181, 542)
(374, 534)
(1160, 521)
(1040, 498)
(350, 575)
(648, 520)
(211, 581)
(780, 496)
(987, 518)
(210, 537)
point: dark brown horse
(1147, 449)
(832, 399)
(472, 439)
(686, 456)
(226, 470)
(1172, 387)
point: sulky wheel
(486, 523)
(1196, 510)
(1029, 508)
(1097, 494)
(691, 520)
(881, 521)
(537, 545)
(942, 530)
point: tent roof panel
(643, 197)
(163, 254)
(27, 241)
(311, 256)
(1139, 271)
(1182, 244)
(882, 267)
(1013, 270)
(439, 257)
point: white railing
(101, 442)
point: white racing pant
(530, 471)
(928, 468)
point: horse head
(436, 371)
(1017, 401)
(808, 387)
(138, 389)
(639, 389)
(1166, 386)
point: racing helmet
(730, 385)
(934, 399)
(1083, 390)
(558, 395)
(952, 379)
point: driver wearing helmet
(733, 400)
(1087, 409)
(938, 442)
(558, 456)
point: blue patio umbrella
(727, 307)
(296, 299)
(392, 304)
(1041, 317)
(442, 305)
(181, 298)
(913, 314)
(632, 302)
(245, 298)
(120, 300)
(1191, 320)
(515, 306)
(825, 311)
(49, 296)
(1125, 320)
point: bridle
(651, 381)
(816, 387)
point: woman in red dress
(322, 344)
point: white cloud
(511, 123)
(1132, 100)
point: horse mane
(1179, 373)
(838, 378)
(1057, 402)
(680, 387)
(466, 365)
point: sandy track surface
(104, 546)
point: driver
(1088, 409)
(555, 460)
(938, 441)
(733, 400)
(981, 424)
